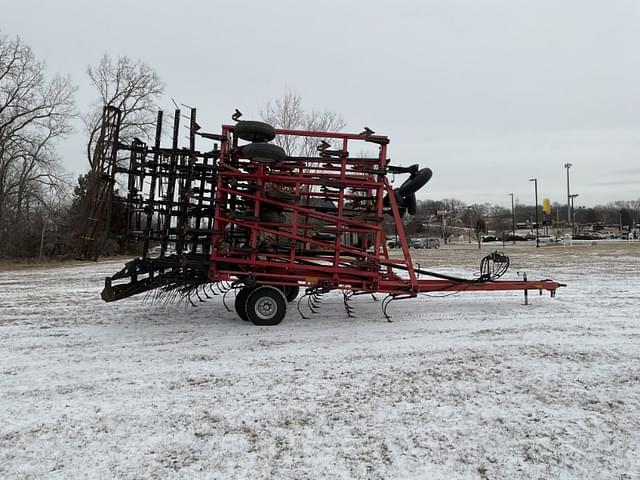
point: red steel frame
(356, 187)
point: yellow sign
(546, 206)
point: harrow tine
(197, 294)
(170, 297)
(298, 306)
(311, 305)
(189, 294)
(385, 304)
(224, 300)
(183, 298)
(346, 296)
(164, 295)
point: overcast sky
(487, 93)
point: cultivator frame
(245, 216)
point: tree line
(41, 205)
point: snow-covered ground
(469, 386)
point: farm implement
(243, 216)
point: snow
(475, 385)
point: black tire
(386, 201)
(281, 196)
(399, 201)
(266, 305)
(415, 182)
(290, 293)
(240, 303)
(411, 204)
(252, 131)
(264, 152)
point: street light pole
(535, 181)
(573, 212)
(513, 220)
(569, 218)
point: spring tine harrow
(346, 297)
(311, 304)
(195, 291)
(242, 213)
(224, 299)
(187, 298)
(385, 304)
(298, 306)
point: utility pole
(513, 220)
(535, 181)
(569, 219)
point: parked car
(393, 244)
(433, 243)
(425, 243)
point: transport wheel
(266, 305)
(415, 182)
(241, 302)
(281, 196)
(411, 204)
(290, 293)
(399, 200)
(264, 152)
(252, 131)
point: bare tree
(289, 114)
(131, 86)
(476, 217)
(320, 121)
(34, 113)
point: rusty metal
(96, 205)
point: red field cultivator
(246, 217)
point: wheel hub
(266, 308)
